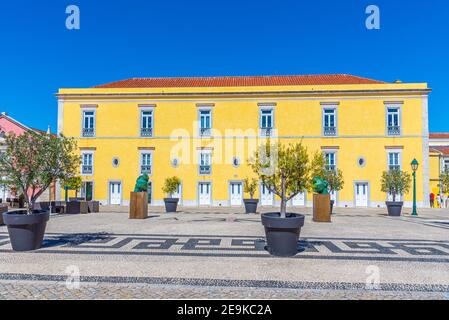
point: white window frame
(334, 109)
(399, 159)
(266, 131)
(83, 121)
(398, 107)
(205, 132)
(92, 154)
(141, 156)
(445, 164)
(142, 111)
(329, 152)
(207, 153)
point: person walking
(432, 199)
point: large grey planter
(251, 205)
(394, 208)
(26, 232)
(282, 233)
(77, 207)
(171, 204)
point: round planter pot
(282, 233)
(251, 205)
(26, 232)
(171, 204)
(332, 206)
(394, 208)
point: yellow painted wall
(361, 132)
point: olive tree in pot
(284, 171)
(336, 182)
(250, 187)
(31, 163)
(395, 182)
(171, 185)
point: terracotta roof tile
(440, 149)
(240, 81)
(439, 135)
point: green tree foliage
(335, 179)
(250, 186)
(171, 185)
(444, 181)
(32, 162)
(395, 182)
(284, 170)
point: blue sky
(143, 38)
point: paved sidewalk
(219, 253)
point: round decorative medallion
(115, 162)
(236, 162)
(361, 162)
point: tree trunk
(283, 202)
(394, 196)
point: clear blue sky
(144, 38)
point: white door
(204, 194)
(266, 196)
(115, 193)
(299, 200)
(361, 194)
(333, 195)
(236, 193)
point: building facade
(204, 130)
(439, 159)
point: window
(145, 163)
(266, 122)
(88, 124)
(330, 160)
(394, 161)
(205, 163)
(205, 122)
(393, 122)
(87, 166)
(329, 122)
(446, 165)
(146, 126)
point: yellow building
(203, 130)
(439, 159)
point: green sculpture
(320, 186)
(142, 183)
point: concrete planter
(171, 204)
(251, 205)
(77, 207)
(394, 208)
(26, 232)
(282, 233)
(93, 206)
(321, 208)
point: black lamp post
(414, 165)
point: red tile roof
(440, 149)
(439, 135)
(240, 81)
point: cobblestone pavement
(197, 254)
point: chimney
(49, 130)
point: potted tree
(31, 163)
(395, 182)
(335, 180)
(320, 187)
(444, 183)
(171, 185)
(284, 170)
(250, 187)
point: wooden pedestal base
(138, 208)
(321, 208)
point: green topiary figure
(142, 183)
(320, 186)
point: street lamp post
(414, 165)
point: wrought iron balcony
(88, 132)
(146, 132)
(205, 132)
(331, 167)
(87, 169)
(266, 132)
(206, 169)
(145, 169)
(394, 130)
(330, 131)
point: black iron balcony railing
(86, 169)
(266, 132)
(331, 167)
(394, 130)
(206, 169)
(205, 132)
(145, 169)
(88, 132)
(146, 132)
(330, 131)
